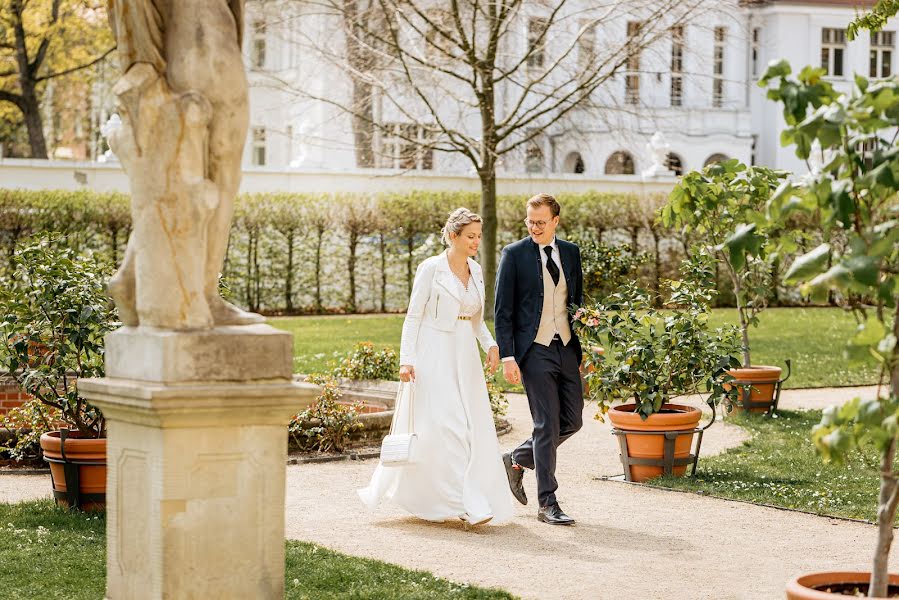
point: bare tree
(484, 79)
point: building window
(258, 146)
(574, 163)
(882, 44)
(632, 77)
(675, 164)
(586, 47)
(257, 49)
(718, 68)
(406, 146)
(756, 50)
(715, 159)
(620, 163)
(536, 40)
(677, 65)
(833, 47)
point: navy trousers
(552, 381)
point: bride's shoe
(468, 523)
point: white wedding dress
(457, 470)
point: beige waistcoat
(554, 318)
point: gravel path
(630, 541)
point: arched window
(574, 164)
(675, 164)
(620, 163)
(715, 158)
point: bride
(457, 470)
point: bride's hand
(407, 372)
(493, 359)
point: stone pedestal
(196, 452)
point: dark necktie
(551, 265)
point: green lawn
(46, 552)
(813, 338)
(779, 466)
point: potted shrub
(723, 206)
(855, 193)
(54, 301)
(650, 357)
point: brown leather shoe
(515, 476)
(553, 515)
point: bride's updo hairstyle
(457, 221)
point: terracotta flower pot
(815, 586)
(84, 459)
(761, 381)
(674, 417)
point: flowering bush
(652, 355)
(54, 313)
(327, 424)
(364, 362)
(499, 404)
(607, 267)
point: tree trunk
(31, 110)
(288, 279)
(320, 234)
(410, 249)
(488, 241)
(351, 269)
(382, 247)
(886, 515)
(363, 124)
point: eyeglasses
(535, 224)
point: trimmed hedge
(313, 253)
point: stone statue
(183, 104)
(658, 149)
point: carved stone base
(195, 490)
(236, 353)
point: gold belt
(461, 318)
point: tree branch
(78, 68)
(14, 98)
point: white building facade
(696, 84)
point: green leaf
(808, 264)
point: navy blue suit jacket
(519, 294)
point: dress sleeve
(484, 337)
(421, 291)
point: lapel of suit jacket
(567, 260)
(445, 278)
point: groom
(539, 279)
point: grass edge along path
(778, 466)
(47, 552)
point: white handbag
(397, 449)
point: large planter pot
(830, 586)
(640, 447)
(761, 383)
(77, 470)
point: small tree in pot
(53, 316)
(856, 193)
(652, 356)
(723, 206)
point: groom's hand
(511, 373)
